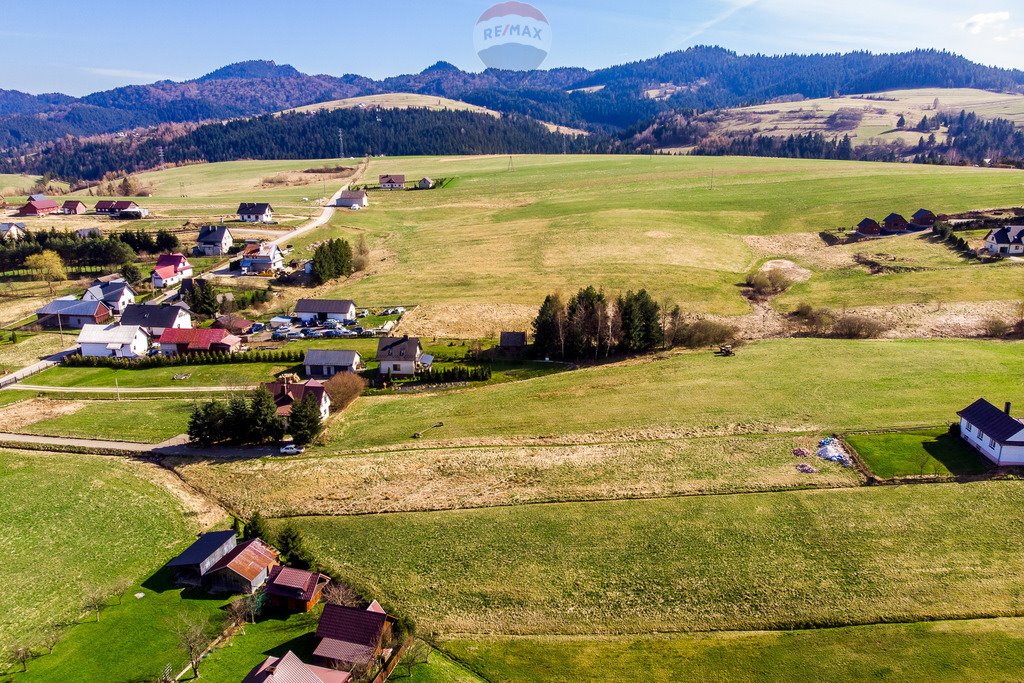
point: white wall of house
(999, 454)
(398, 368)
(138, 347)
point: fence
(25, 373)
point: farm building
(255, 212)
(74, 207)
(350, 636)
(154, 319)
(894, 222)
(512, 341)
(214, 240)
(392, 182)
(192, 565)
(137, 213)
(326, 363)
(115, 295)
(70, 313)
(1008, 239)
(992, 432)
(287, 393)
(319, 310)
(923, 218)
(399, 357)
(235, 324)
(180, 341)
(39, 207)
(426, 184)
(870, 227)
(170, 269)
(104, 206)
(291, 669)
(12, 231)
(114, 206)
(118, 341)
(244, 569)
(350, 198)
(295, 590)
(261, 257)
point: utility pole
(341, 144)
(160, 152)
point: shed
(295, 590)
(326, 363)
(192, 565)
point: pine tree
(264, 422)
(239, 419)
(291, 543)
(305, 422)
(257, 528)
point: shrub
(344, 388)
(996, 328)
(767, 283)
(819, 320)
(703, 333)
(857, 327)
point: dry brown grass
(30, 350)
(19, 415)
(467, 321)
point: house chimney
(1007, 408)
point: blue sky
(80, 47)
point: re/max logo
(509, 30)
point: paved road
(132, 390)
(171, 446)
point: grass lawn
(439, 668)
(10, 396)
(72, 524)
(269, 636)
(982, 650)
(29, 349)
(743, 562)
(148, 421)
(916, 453)
(229, 375)
(792, 384)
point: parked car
(257, 327)
(332, 334)
(279, 335)
(346, 333)
(312, 334)
(292, 449)
(294, 335)
(331, 324)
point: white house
(255, 212)
(349, 198)
(155, 318)
(319, 310)
(214, 240)
(116, 295)
(992, 432)
(326, 363)
(399, 357)
(119, 341)
(260, 257)
(12, 231)
(392, 182)
(1006, 240)
(170, 270)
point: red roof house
(170, 269)
(176, 341)
(351, 636)
(291, 669)
(244, 569)
(286, 394)
(40, 207)
(295, 590)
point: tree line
(253, 420)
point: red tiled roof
(351, 625)
(177, 261)
(294, 583)
(248, 560)
(198, 339)
(290, 669)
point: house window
(969, 427)
(991, 443)
(396, 367)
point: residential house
(70, 313)
(425, 184)
(399, 357)
(319, 310)
(244, 569)
(291, 669)
(326, 363)
(1008, 239)
(287, 393)
(105, 206)
(295, 590)
(255, 212)
(118, 341)
(350, 636)
(214, 240)
(392, 182)
(115, 295)
(192, 565)
(112, 207)
(993, 432)
(894, 222)
(12, 231)
(923, 218)
(512, 341)
(235, 324)
(39, 207)
(181, 341)
(869, 227)
(350, 198)
(74, 207)
(105, 279)
(170, 269)
(155, 319)
(261, 257)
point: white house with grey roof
(326, 363)
(214, 240)
(118, 341)
(399, 357)
(1006, 240)
(992, 432)
(117, 296)
(12, 231)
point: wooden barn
(870, 227)
(295, 590)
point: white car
(292, 449)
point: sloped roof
(105, 204)
(392, 348)
(108, 334)
(388, 179)
(213, 234)
(248, 560)
(148, 315)
(351, 625)
(254, 208)
(110, 291)
(991, 421)
(895, 218)
(198, 338)
(177, 261)
(335, 357)
(324, 305)
(73, 307)
(1009, 234)
(41, 204)
(294, 583)
(923, 214)
(207, 544)
(72, 203)
(7, 227)
(291, 669)
(868, 223)
(232, 321)
(512, 339)
(286, 394)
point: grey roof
(108, 334)
(923, 213)
(512, 339)
(38, 198)
(324, 305)
(336, 358)
(213, 234)
(71, 307)
(4, 227)
(895, 217)
(991, 421)
(149, 315)
(110, 291)
(254, 208)
(395, 348)
(1009, 234)
(206, 545)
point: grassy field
(30, 349)
(942, 651)
(151, 421)
(438, 479)
(74, 524)
(784, 385)
(917, 453)
(269, 636)
(626, 222)
(746, 562)
(233, 375)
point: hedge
(205, 358)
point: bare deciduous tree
(20, 654)
(95, 602)
(340, 594)
(51, 636)
(120, 588)
(193, 638)
(238, 613)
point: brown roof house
(923, 218)
(291, 669)
(244, 569)
(295, 590)
(235, 324)
(894, 222)
(287, 393)
(399, 357)
(392, 182)
(74, 206)
(352, 637)
(870, 227)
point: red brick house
(295, 590)
(39, 207)
(179, 341)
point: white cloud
(128, 74)
(980, 22)
(702, 28)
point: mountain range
(608, 100)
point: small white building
(255, 212)
(319, 310)
(118, 341)
(1006, 240)
(992, 432)
(12, 231)
(349, 199)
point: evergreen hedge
(205, 358)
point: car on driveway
(312, 334)
(294, 335)
(292, 449)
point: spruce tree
(305, 422)
(264, 422)
(257, 528)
